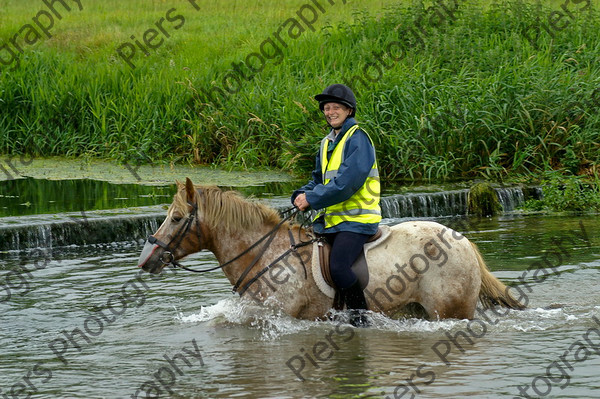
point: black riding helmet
(337, 93)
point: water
(29, 196)
(37, 196)
(88, 211)
(249, 352)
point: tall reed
(478, 99)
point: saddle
(360, 265)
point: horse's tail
(492, 291)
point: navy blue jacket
(352, 174)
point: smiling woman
(345, 190)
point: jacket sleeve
(352, 174)
(317, 178)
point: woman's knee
(342, 275)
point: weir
(95, 227)
(450, 203)
(135, 224)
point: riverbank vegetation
(490, 89)
(566, 193)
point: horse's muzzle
(146, 254)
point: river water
(186, 336)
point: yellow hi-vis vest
(363, 206)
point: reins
(168, 258)
(293, 248)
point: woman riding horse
(270, 260)
(345, 188)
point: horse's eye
(176, 219)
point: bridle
(168, 259)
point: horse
(421, 266)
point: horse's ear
(190, 190)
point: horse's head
(179, 235)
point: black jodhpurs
(345, 248)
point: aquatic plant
(483, 200)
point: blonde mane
(227, 209)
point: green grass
(477, 100)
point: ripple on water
(246, 348)
(275, 324)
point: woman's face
(336, 114)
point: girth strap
(294, 248)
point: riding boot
(356, 305)
(338, 300)
(337, 305)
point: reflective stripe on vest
(363, 206)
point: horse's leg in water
(454, 297)
(451, 307)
